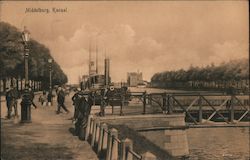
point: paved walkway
(49, 136)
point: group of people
(46, 99)
(12, 95)
(11, 101)
(82, 102)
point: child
(43, 98)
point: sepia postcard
(124, 80)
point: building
(134, 78)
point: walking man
(60, 100)
(15, 96)
(32, 96)
(11, 101)
(49, 98)
(8, 97)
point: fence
(197, 107)
(107, 144)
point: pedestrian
(43, 98)
(15, 97)
(104, 101)
(49, 98)
(8, 102)
(76, 97)
(32, 96)
(60, 100)
(84, 107)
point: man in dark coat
(9, 98)
(49, 98)
(15, 97)
(76, 100)
(32, 96)
(84, 107)
(60, 100)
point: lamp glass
(26, 35)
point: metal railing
(197, 107)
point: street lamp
(26, 98)
(50, 80)
(50, 77)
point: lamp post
(26, 98)
(50, 82)
(50, 72)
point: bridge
(199, 108)
(133, 116)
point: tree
(11, 57)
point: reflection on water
(218, 143)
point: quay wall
(168, 132)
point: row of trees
(12, 59)
(233, 73)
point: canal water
(219, 143)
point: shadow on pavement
(35, 151)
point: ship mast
(89, 58)
(96, 58)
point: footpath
(48, 137)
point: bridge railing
(106, 143)
(190, 103)
(197, 107)
(199, 103)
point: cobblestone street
(49, 136)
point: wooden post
(126, 145)
(105, 137)
(109, 146)
(88, 127)
(98, 126)
(114, 152)
(100, 139)
(232, 110)
(91, 130)
(148, 156)
(200, 109)
(94, 132)
(169, 105)
(164, 102)
(144, 102)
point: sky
(143, 36)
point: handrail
(117, 139)
(134, 154)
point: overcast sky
(142, 35)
